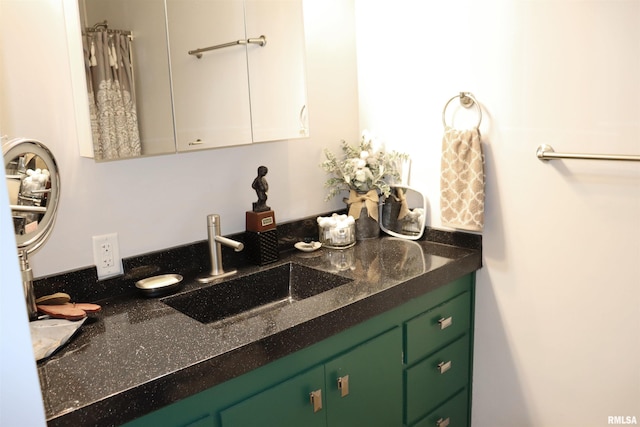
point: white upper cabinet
(234, 95)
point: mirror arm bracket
(27, 284)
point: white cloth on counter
(47, 335)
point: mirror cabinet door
(149, 71)
(277, 72)
(210, 93)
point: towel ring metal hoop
(467, 100)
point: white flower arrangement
(362, 168)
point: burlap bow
(357, 200)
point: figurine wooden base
(261, 247)
(261, 221)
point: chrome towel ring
(467, 100)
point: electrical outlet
(106, 255)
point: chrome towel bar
(546, 152)
(104, 26)
(262, 40)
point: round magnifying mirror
(403, 213)
(33, 183)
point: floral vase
(363, 207)
(390, 213)
(394, 210)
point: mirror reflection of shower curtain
(112, 103)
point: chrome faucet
(215, 250)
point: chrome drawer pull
(444, 366)
(343, 385)
(443, 422)
(445, 323)
(316, 399)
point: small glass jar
(340, 260)
(337, 231)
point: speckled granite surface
(139, 354)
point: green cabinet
(286, 404)
(360, 387)
(410, 366)
(438, 356)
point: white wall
(558, 320)
(159, 202)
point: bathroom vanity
(391, 346)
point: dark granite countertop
(138, 354)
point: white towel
(47, 335)
(462, 180)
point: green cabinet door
(364, 385)
(361, 387)
(286, 404)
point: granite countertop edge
(137, 401)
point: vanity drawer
(454, 413)
(433, 380)
(436, 327)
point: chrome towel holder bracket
(467, 100)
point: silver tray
(159, 285)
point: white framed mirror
(403, 213)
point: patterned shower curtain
(112, 104)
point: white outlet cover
(106, 256)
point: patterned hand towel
(462, 180)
